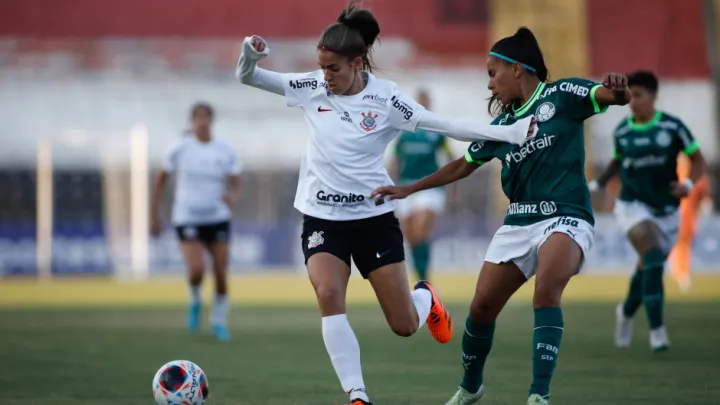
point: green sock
(476, 344)
(635, 294)
(421, 259)
(653, 294)
(546, 341)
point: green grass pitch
(107, 356)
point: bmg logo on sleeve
(304, 84)
(405, 109)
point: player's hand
(680, 190)
(155, 226)
(229, 199)
(258, 43)
(254, 48)
(391, 192)
(615, 81)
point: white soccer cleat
(536, 399)
(659, 340)
(463, 397)
(623, 328)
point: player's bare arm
(234, 187)
(698, 166)
(157, 196)
(450, 173)
(615, 90)
(612, 170)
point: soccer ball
(180, 382)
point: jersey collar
(525, 107)
(644, 126)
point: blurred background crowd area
(93, 94)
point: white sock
(195, 294)
(344, 351)
(220, 310)
(423, 301)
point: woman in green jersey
(646, 148)
(548, 229)
(416, 157)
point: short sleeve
(170, 163)
(231, 163)
(235, 166)
(404, 112)
(480, 152)
(579, 97)
(299, 87)
(688, 144)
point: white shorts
(631, 213)
(520, 244)
(432, 200)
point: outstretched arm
(407, 115)
(253, 50)
(456, 170)
(614, 91)
(470, 131)
(450, 173)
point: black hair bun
(525, 33)
(361, 20)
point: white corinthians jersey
(202, 170)
(343, 162)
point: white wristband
(594, 185)
(689, 184)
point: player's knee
(407, 326)
(412, 240)
(221, 286)
(548, 293)
(331, 300)
(483, 310)
(196, 275)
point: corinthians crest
(368, 122)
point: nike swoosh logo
(378, 255)
(320, 109)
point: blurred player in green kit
(416, 156)
(646, 148)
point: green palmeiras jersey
(648, 155)
(545, 177)
(417, 154)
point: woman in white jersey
(208, 182)
(352, 116)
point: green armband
(469, 159)
(596, 106)
(692, 148)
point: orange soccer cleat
(439, 321)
